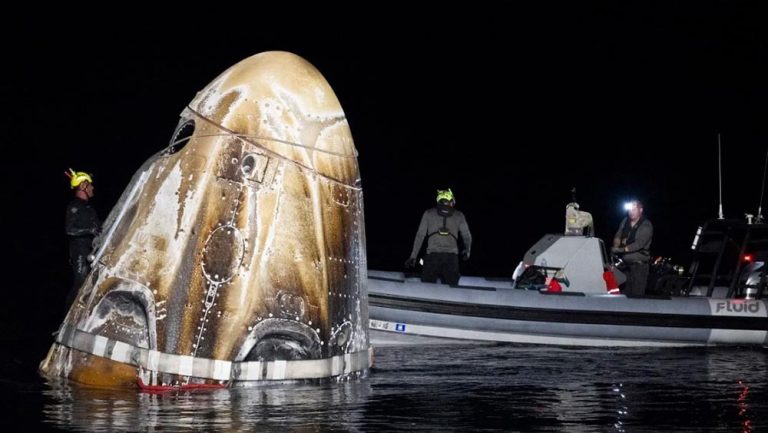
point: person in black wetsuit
(82, 225)
(441, 225)
(632, 241)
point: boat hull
(407, 311)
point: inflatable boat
(719, 301)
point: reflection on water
(746, 423)
(465, 388)
(271, 408)
(621, 407)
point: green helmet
(445, 194)
(78, 177)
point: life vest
(628, 233)
(443, 230)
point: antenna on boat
(759, 219)
(720, 177)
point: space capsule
(236, 255)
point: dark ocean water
(500, 387)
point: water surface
(497, 387)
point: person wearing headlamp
(632, 242)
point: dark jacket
(81, 224)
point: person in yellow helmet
(442, 225)
(81, 225)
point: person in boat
(632, 243)
(442, 225)
(81, 225)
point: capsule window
(254, 166)
(182, 134)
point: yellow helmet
(445, 194)
(77, 177)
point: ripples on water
(446, 388)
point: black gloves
(465, 255)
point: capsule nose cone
(281, 102)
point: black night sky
(510, 108)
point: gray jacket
(431, 223)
